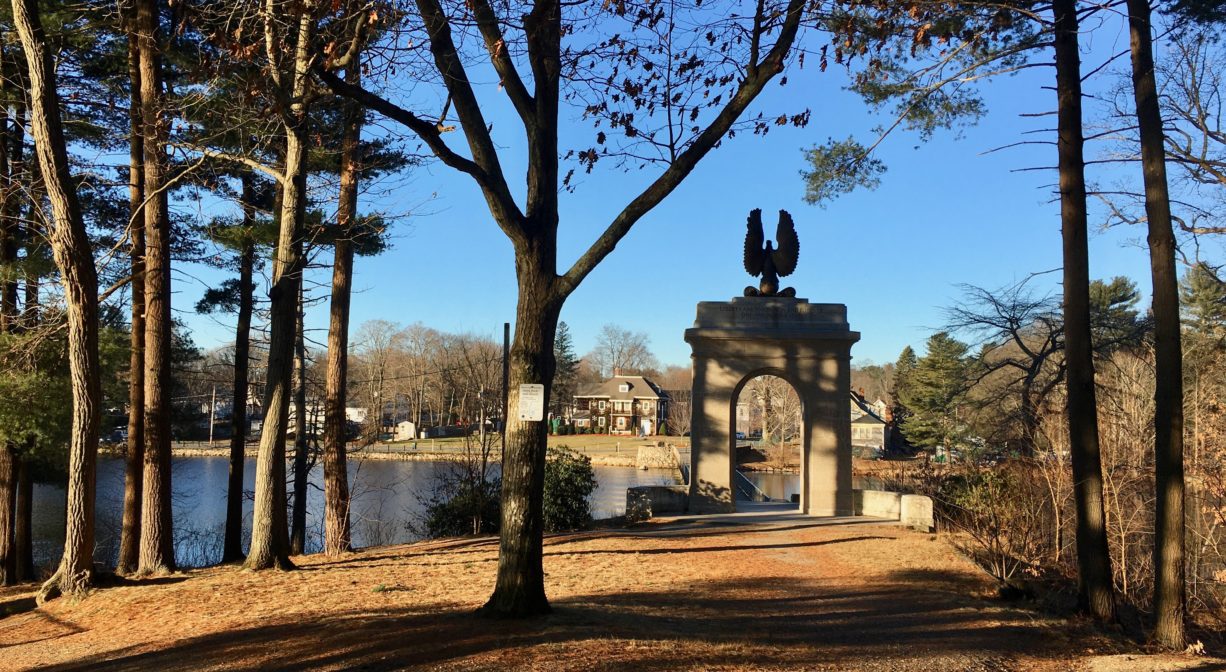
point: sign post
(532, 402)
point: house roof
(867, 414)
(638, 388)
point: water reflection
(781, 485)
(385, 496)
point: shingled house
(622, 405)
(870, 433)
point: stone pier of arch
(806, 344)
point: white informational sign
(532, 402)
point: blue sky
(945, 213)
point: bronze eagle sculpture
(769, 262)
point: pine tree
(904, 368)
(1203, 296)
(933, 394)
(564, 376)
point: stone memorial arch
(806, 344)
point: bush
(569, 481)
(460, 508)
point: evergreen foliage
(461, 505)
(566, 368)
(933, 394)
(569, 482)
(904, 368)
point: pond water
(782, 485)
(776, 484)
(386, 496)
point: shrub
(463, 507)
(569, 481)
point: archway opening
(767, 437)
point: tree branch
(500, 57)
(495, 189)
(480, 144)
(688, 159)
(211, 153)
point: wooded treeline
(992, 409)
(257, 109)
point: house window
(646, 405)
(601, 420)
(602, 405)
(621, 422)
(624, 387)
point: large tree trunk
(269, 528)
(337, 531)
(157, 531)
(1093, 560)
(232, 550)
(23, 532)
(8, 515)
(134, 464)
(520, 588)
(297, 536)
(30, 307)
(1170, 599)
(9, 321)
(73, 257)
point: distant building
(406, 430)
(869, 431)
(622, 405)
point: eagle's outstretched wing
(788, 252)
(755, 256)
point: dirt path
(787, 595)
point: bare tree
(378, 341)
(621, 351)
(681, 89)
(1021, 344)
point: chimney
(616, 372)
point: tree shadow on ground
(17, 605)
(380, 556)
(711, 549)
(765, 622)
(47, 628)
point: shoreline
(450, 456)
(362, 454)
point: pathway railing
(746, 490)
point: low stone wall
(645, 501)
(877, 503)
(658, 456)
(917, 513)
(914, 511)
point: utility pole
(212, 413)
(506, 377)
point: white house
(406, 431)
